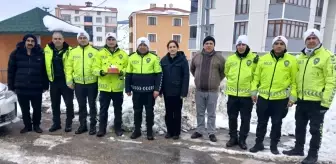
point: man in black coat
(28, 79)
(175, 87)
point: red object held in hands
(113, 70)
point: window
(177, 37)
(242, 6)
(131, 37)
(152, 37)
(77, 19)
(319, 8)
(99, 20)
(99, 29)
(193, 32)
(177, 21)
(99, 39)
(130, 22)
(76, 12)
(194, 6)
(305, 3)
(240, 28)
(151, 21)
(98, 12)
(87, 18)
(110, 20)
(108, 29)
(317, 26)
(290, 29)
(66, 17)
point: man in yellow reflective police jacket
(239, 69)
(275, 81)
(56, 55)
(110, 66)
(144, 79)
(316, 83)
(79, 77)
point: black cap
(209, 38)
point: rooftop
(163, 10)
(86, 8)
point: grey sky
(125, 7)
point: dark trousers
(277, 110)
(105, 100)
(83, 93)
(139, 101)
(36, 103)
(59, 89)
(242, 105)
(173, 114)
(314, 113)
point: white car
(8, 106)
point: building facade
(262, 20)
(159, 25)
(97, 21)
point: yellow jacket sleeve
(330, 82)
(227, 67)
(256, 80)
(96, 65)
(125, 64)
(293, 86)
(69, 69)
(157, 65)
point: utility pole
(46, 8)
(205, 20)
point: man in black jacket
(175, 69)
(28, 79)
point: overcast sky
(125, 7)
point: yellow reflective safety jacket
(275, 77)
(79, 65)
(239, 73)
(104, 59)
(316, 79)
(143, 73)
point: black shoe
(257, 147)
(150, 137)
(212, 138)
(167, 136)
(68, 128)
(196, 135)
(118, 132)
(93, 130)
(294, 152)
(242, 144)
(232, 142)
(135, 135)
(37, 129)
(26, 129)
(176, 137)
(310, 159)
(81, 129)
(101, 133)
(274, 149)
(54, 128)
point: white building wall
(330, 28)
(223, 17)
(257, 25)
(324, 16)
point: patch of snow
(167, 12)
(50, 141)
(54, 24)
(130, 141)
(94, 9)
(123, 37)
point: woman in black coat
(175, 87)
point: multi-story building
(262, 20)
(97, 21)
(159, 25)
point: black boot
(242, 144)
(296, 151)
(232, 142)
(93, 130)
(136, 134)
(168, 135)
(55, 127)
(102, 130)
(196, 135)
(26, 129)
(274, 148)
(81, 129)
(118, 132)
(150, 135)
(257, 147)
(68, 126)
(37, 129)
(311, 158)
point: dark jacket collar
(52, 45)
(247, 51)
(278, 57)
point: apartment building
(97, 21)
(262, 20)
(159, 25)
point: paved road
(68, 148)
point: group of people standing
(274, 82)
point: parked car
(8, 106)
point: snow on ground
(189, 119)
